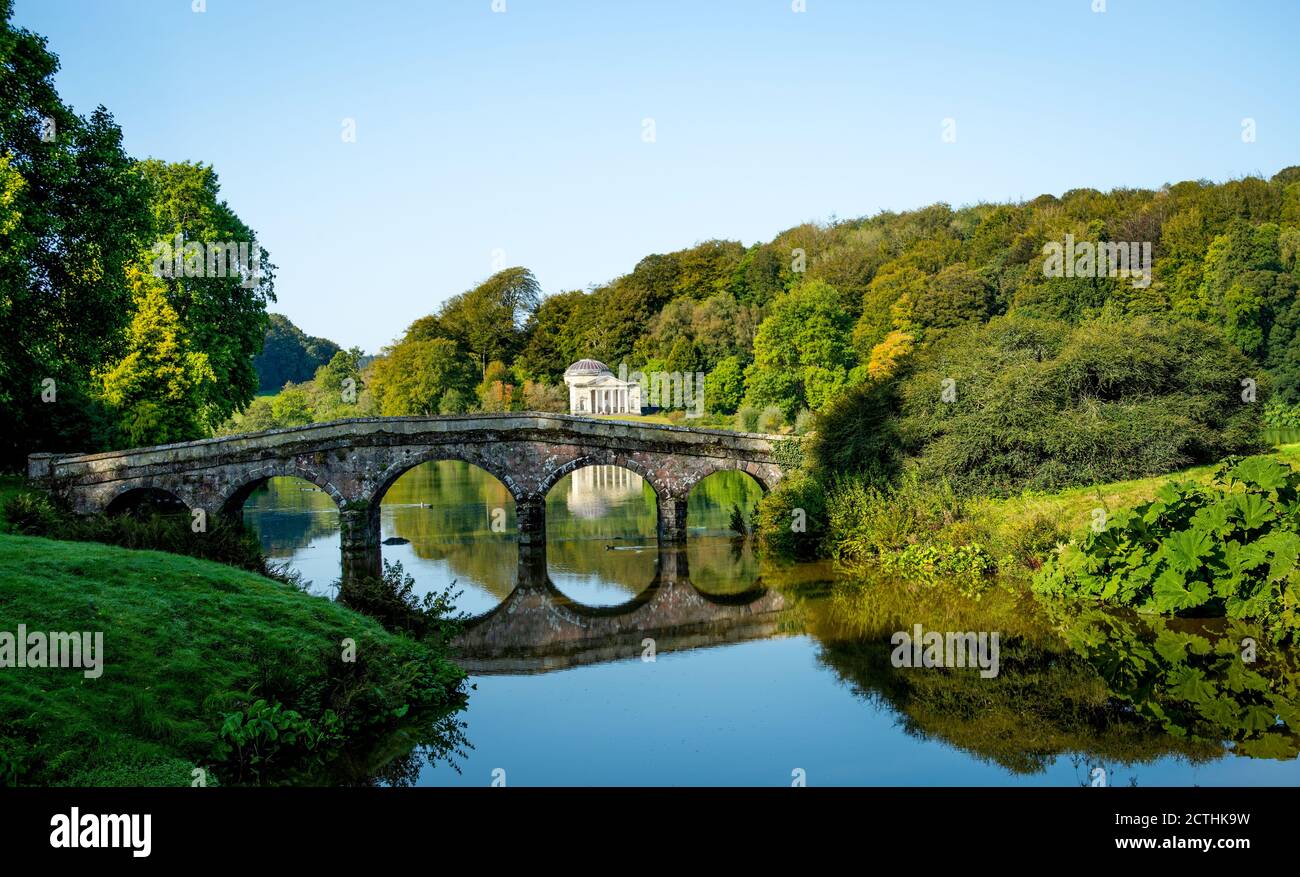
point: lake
(606, 660)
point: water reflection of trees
(434, 740)
(709, 506)
(290, 513)
(443, 502)
(1089, 685)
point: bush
(747, 419)
(31, 514)
(792, 518)
(1230, 548)
(1038, 404)
(1278, 415)
(857, 433)
(226, 540)
(803, 422)
(453, 402)
(771, 420)
(390, 599)
(866, 522)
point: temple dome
(585, 367)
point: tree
(413, 377)
(545, 397)
(554, 335)
(724, 386)
(802, 352)
(292, 406)
(157, 390)
(224, 282)
(289, 355)
(73, 217)
(489, 319)
(496, 392)
(337, 386)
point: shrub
(771, 420)
(866, 522)
(1044, 405)
(264, 734)
(803, 422)
(747, 419)
(453, 402)
(1279, 415)
(390, 599)
(1230, 548)
(857, 433)
(30, 514)
(791, 519)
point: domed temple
(594, 389)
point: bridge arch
(232, 501)
(692, 480)
(395, 470)
(131, 497)
(603, 458)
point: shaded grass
(184, 640)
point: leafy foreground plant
(1229, 548)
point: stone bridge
(537, 628)
(356, 461)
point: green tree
(802, 352)
(222, 305)
(288, 354)
(292, 406)
(413, 377)
(554, 333)
(724, 386)
(337, 386)
(489, 319)
(73, 217)
(157, 390)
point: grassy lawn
(1072, 509)
(185, 641)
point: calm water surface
(760, 670)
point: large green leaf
(1261, 472)
(1184, 550)
(1174, 592)
(1253, 510)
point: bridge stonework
(356, 461)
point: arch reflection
(538, 628)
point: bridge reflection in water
(537, 628)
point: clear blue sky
(522, 131)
